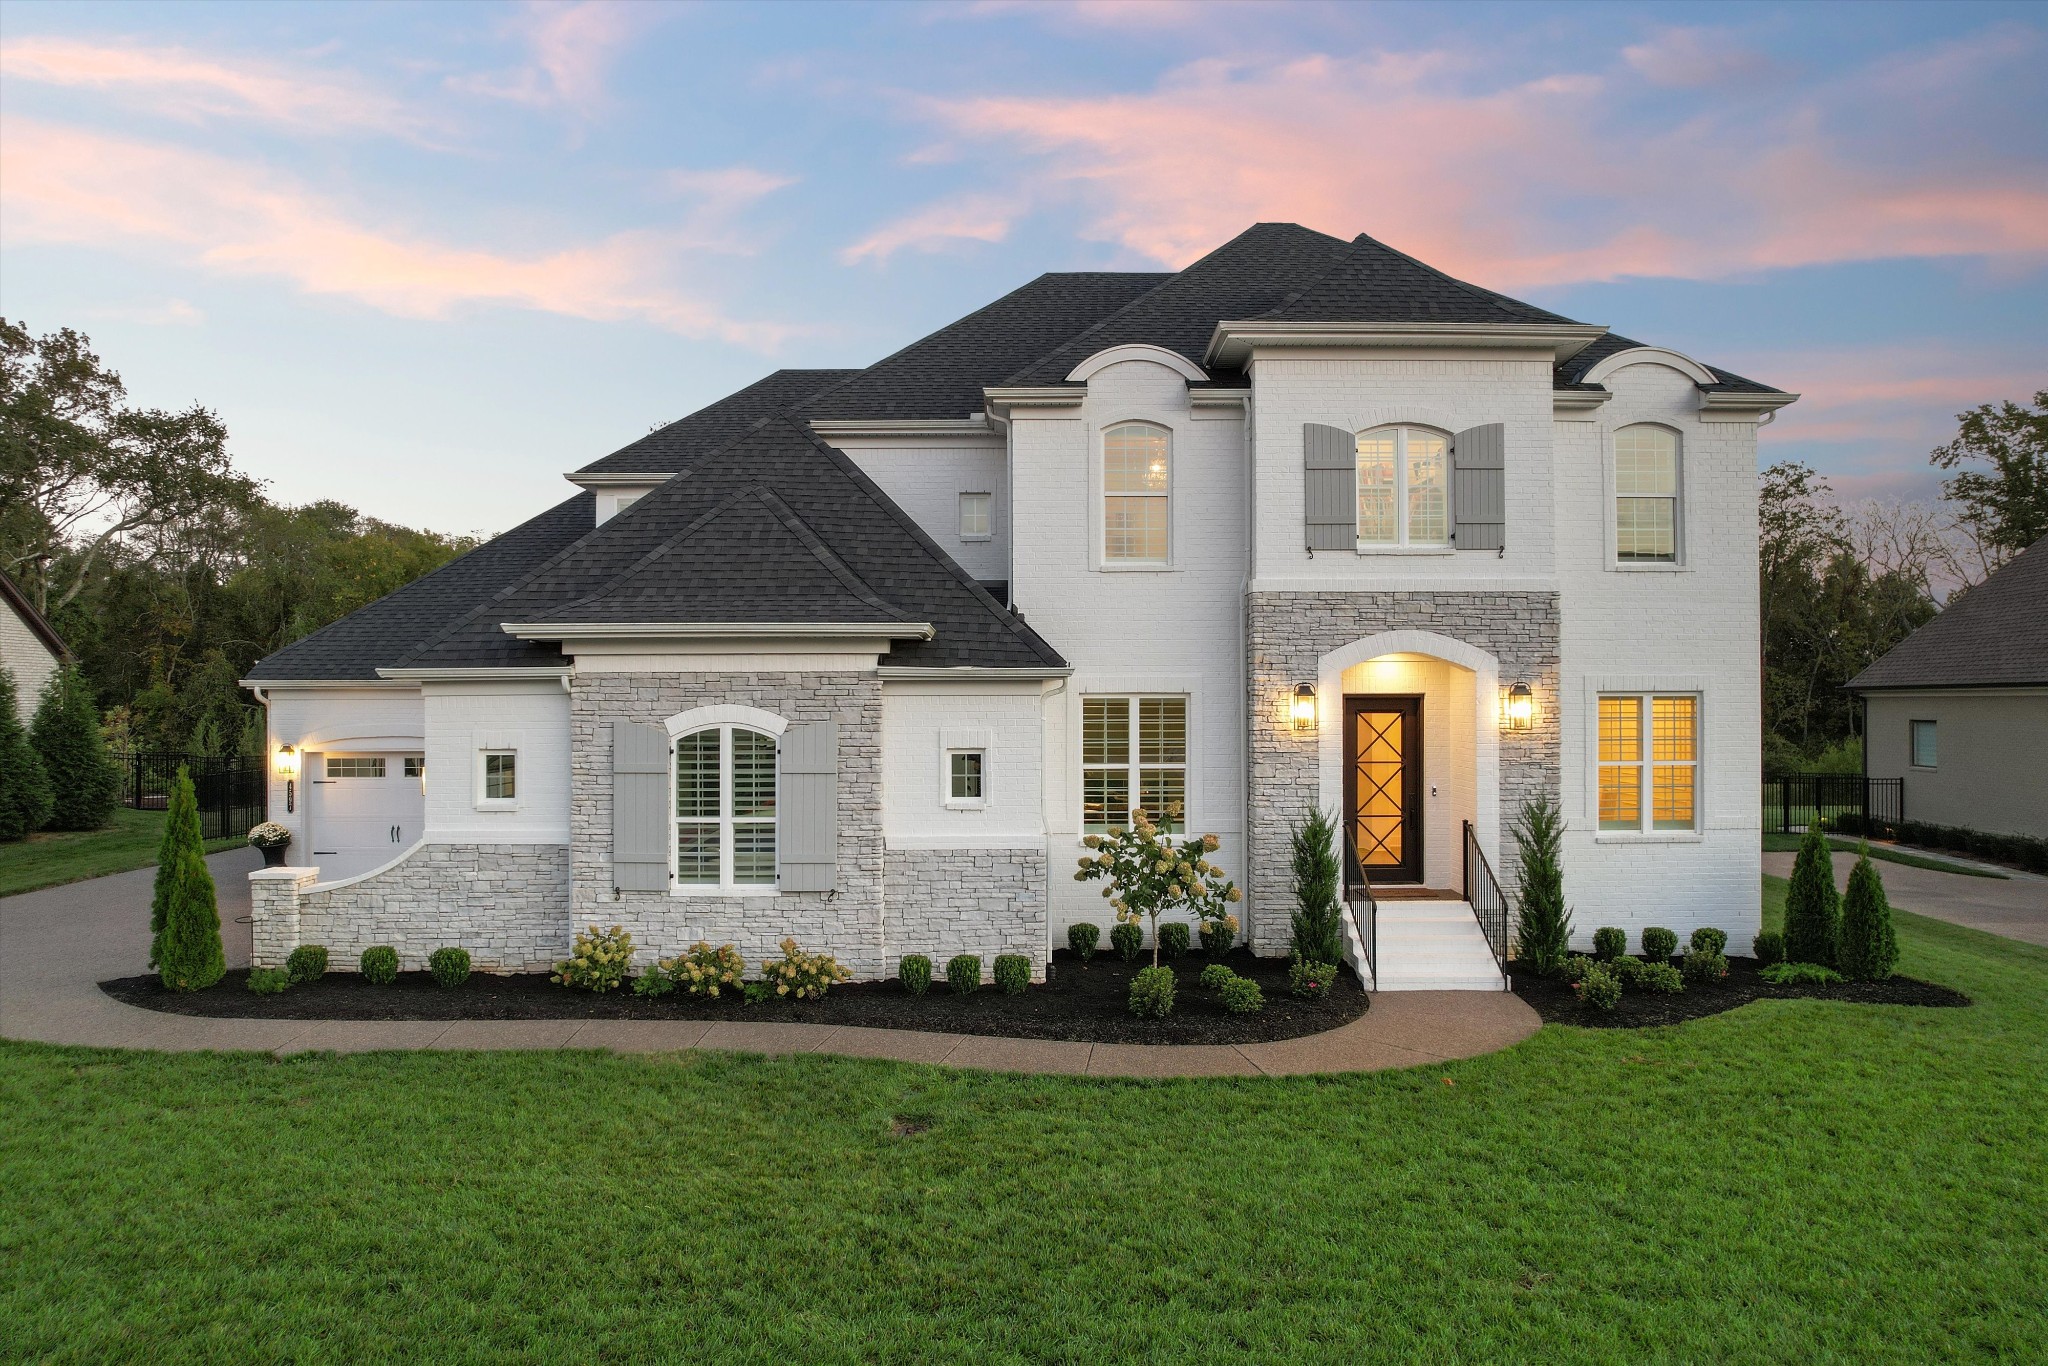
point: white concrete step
(1433, 946)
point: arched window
(1136, 484)
(1404, 481)
(725, 808)
(1646, 494)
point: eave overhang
(829, 428)
(719, 630)
(611, 479)
(1232, 343)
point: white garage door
(363, 810)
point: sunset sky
(424, 258)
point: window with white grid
(1136, 485)
(725, 808)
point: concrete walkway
(2016, 907)
(57, 945)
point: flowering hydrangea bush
(802, 976)
(598, 961)
(1151, 874)
(705, 971)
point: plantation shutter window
(1330, 482)
(1646, 494)
(1479, 495)
(726, 791)
(1134, 753)
(808, 856)
(640, 756)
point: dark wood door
(1383, 788)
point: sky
(425, 258)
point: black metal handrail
(1488, 902)
(1368, 926)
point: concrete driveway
(56, 946)
(2016, 907)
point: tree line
(167, 570)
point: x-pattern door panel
(1383, 748)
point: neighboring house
(1959, 709)
(30, 648)
(862, 655)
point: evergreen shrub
(307, 963)
(184, 915)
(1012, 973)
(449, 966)
(1128, 939)
(1082, 938)
(1609, 943)
(1152, 993)
(1173, 938)
(1869, 946)
(1659, 944)
(1769, 947)
(380, 965)
(963, 972)
(26, 802)
(85, 782)
(915, 972)
(1813, 908)
(1241, 996)
(1543, 923)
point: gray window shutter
(1479, 488)
(807, 807)
(640, 807)
(1330, 475)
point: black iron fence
(1489, 903)
(1793, 801)
(232, 790)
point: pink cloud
(193, 87)
(974, 218)
(572, 47)
(1541, 182)
(69, 186)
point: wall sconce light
(1521, 707)
(287, 765)
(1303, 710)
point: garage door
(364, 810)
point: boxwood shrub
(1769, 947)
(1173, 939)
(380, 965)
(1128, 940)
(1707, 939)
(1241, 996)
(1215, 976)
(449, 966)
(1602, 989)
(1013, 973)
(963, 973)
(1659, 944)
(1152, 992)
(1082, 938)
(1609, 942)
(1703, 969)
(915, 972)
(269, 981)
(307, 963)
(1661, 979)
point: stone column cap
(286, 874)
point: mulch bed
(1083, 1002)
(1554, 999)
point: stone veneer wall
(1287, 634)
(846, 922)
(986, 901)
(506, 903)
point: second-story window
(1403, 487)
(1136, 484)
(1646, 495)
(977, 519)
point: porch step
(1433, 946)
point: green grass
(53, 858)
(1789, 844)
(1791, 1181)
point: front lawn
(54, 857)
(1793, 1181)
(1778, 843)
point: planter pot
(274, 858)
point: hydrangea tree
(1151, 874)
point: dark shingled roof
(667, 449)
(1371, 282)
(1243, 278)
(1994, 635)
(942, 375)
(379, 634)
(1570, 374)
(775, 526)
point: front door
(1383, 789)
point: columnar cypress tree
(184, 916)
(1813, 908)
(25, 802)
(1318, 926)
(66, 733)
(1543, 923)
(1869, 948)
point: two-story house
(862, 655)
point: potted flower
(271, 838)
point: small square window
(977, 516)
(501, 776)
(1923, 744)
(964, 767)
(415, 766)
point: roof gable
(1993, 635)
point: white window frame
(1402, 541)
(1103, 559)
(724, 820)
(1913, 744)
(954, 799)
(1615, 495)
(483, 756)
(1132, 768)
(328, 761)
(1645, 827)
(988, 515)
